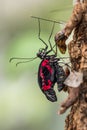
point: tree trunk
(77, 119)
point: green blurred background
(22, 104)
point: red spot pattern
(45, 86)
(45, 63)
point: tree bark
(77, 119)
(77, 97)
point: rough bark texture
(77, 119)
(77, 96)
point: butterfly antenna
(19, 58)
(27, 60)
(23, 62)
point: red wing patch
(45, 74)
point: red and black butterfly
(49, 72)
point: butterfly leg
(40, 33)
(51, 48)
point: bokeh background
(22, 104)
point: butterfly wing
(46, 80)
